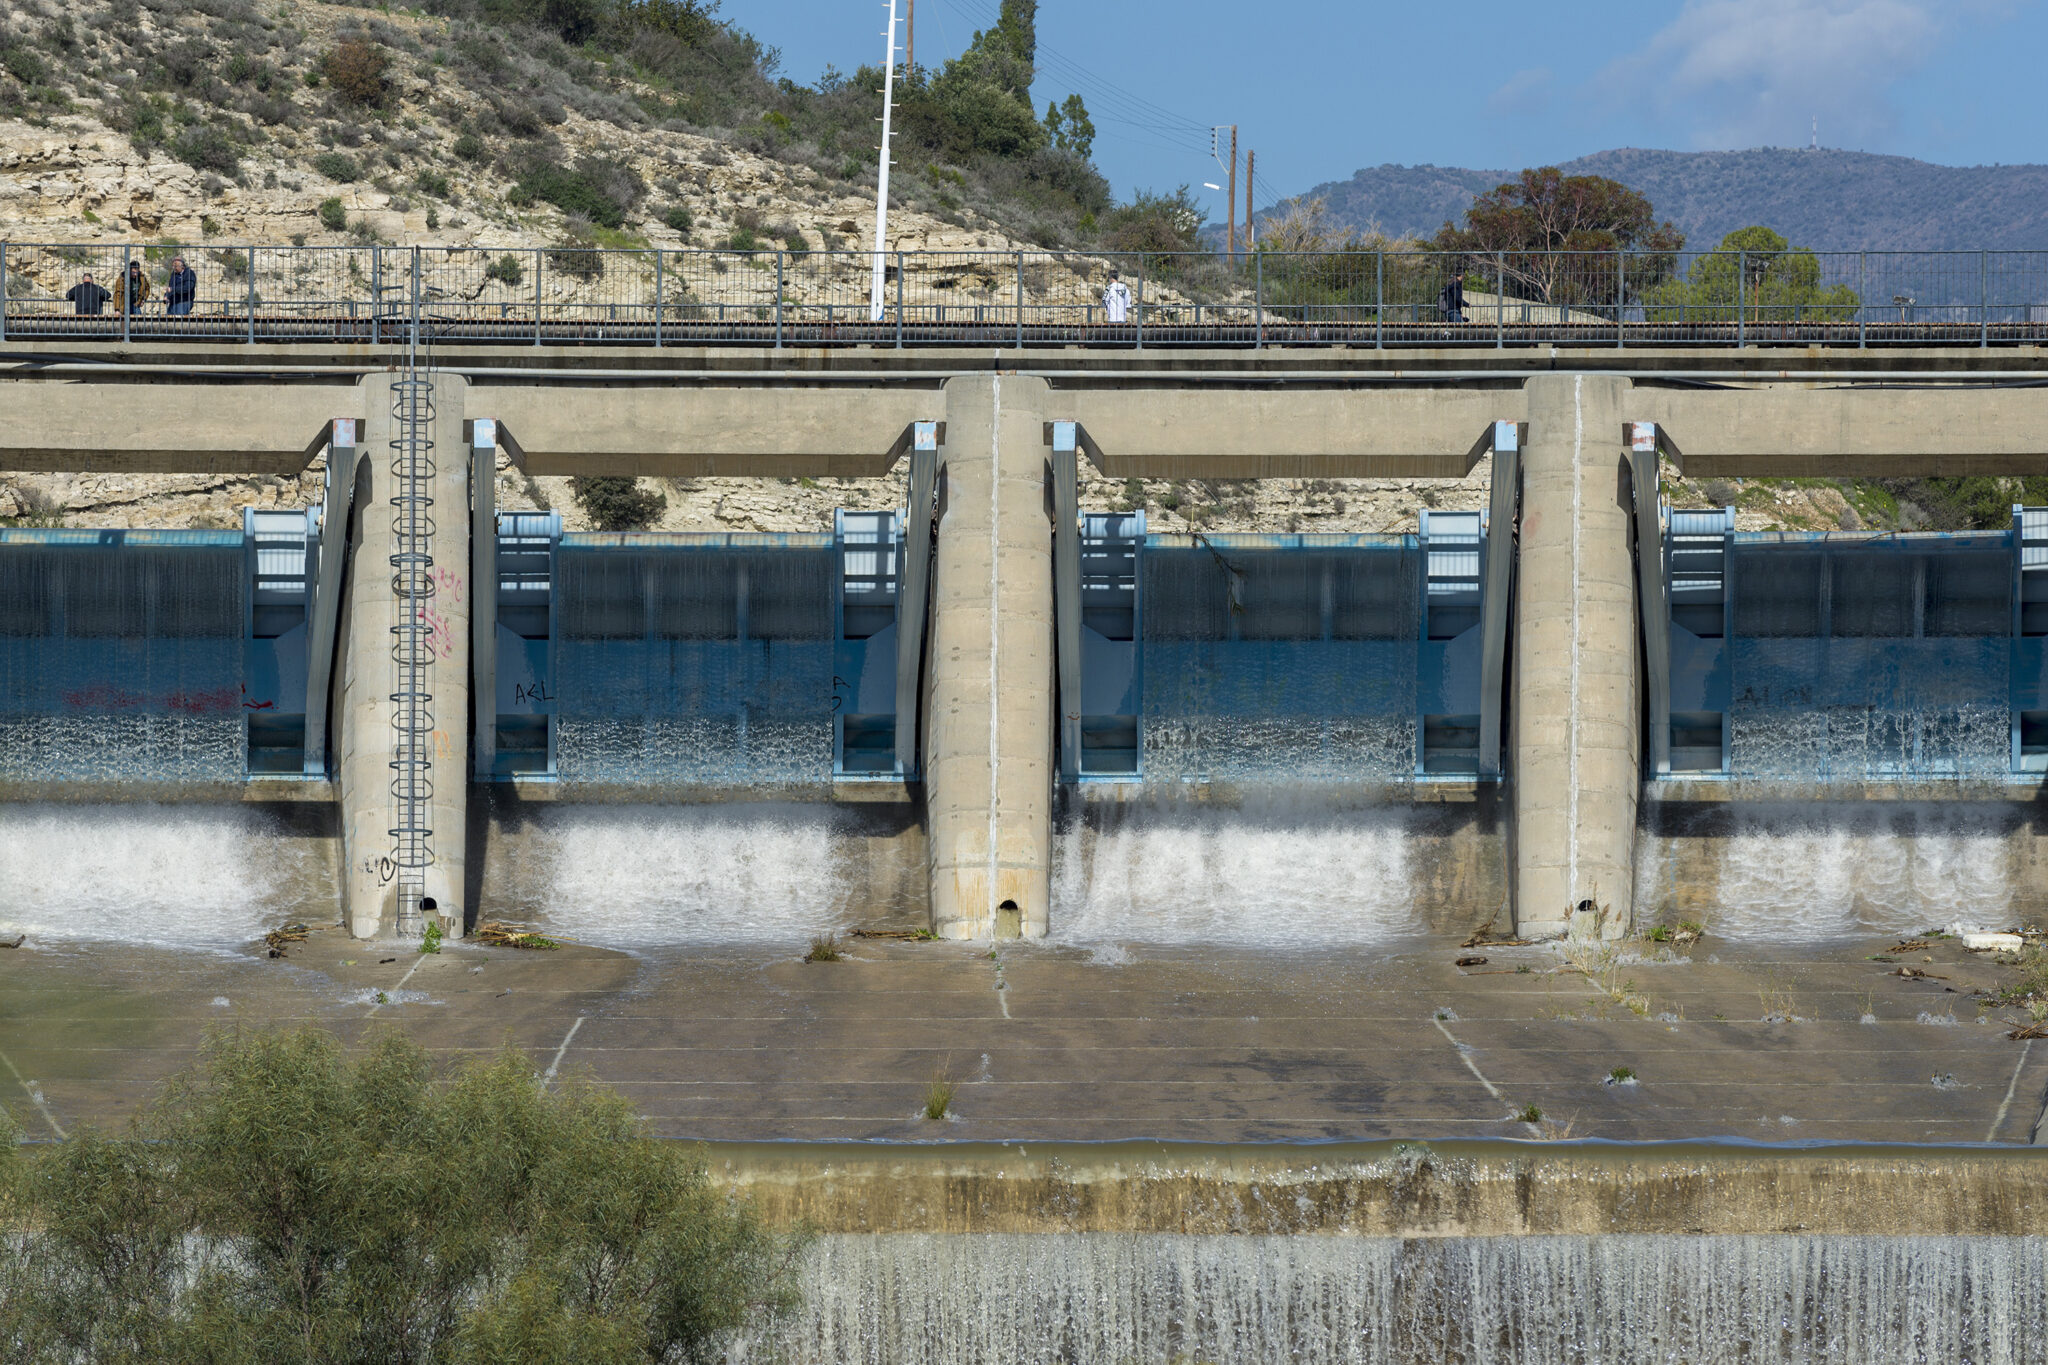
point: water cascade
(1050, 1299)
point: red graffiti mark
(103, 696)
(450, 583)
(215, 702)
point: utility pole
(888, 93)
(1251, 180)
(910, 38)
(1233, 191)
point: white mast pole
(882, 178)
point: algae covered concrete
(1047, 1041)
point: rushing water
(172, 874)
(1283, 875)
(1107, 1299)
(1807, 872)
(663, 875)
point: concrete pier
(1576, 724)
(989, 721)
(366, 736)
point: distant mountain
(1828, 200)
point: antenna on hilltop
(1815, 145)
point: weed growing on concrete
(430, 942)
(1660, 933)
(1778, 1005)
(1621, 1075)
(1528, 1113)
(938, 1098)
(824, 948)
(1524, 969)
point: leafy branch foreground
(285, 1201)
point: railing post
(1500, 301)
(657, 298)
(1379, 300)
(899, 298)
(1141, 303)
(539, 262)
(1020, 300)
(1983, 298)
(3, 291)
(252, 296)
(1741, 297)
(1620, 295)
(127, 303)
(1258, 299)
(376, 296)
(778, 300)
(1862, 260)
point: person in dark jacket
(1452, 301)
(87, 298)
(180, 290)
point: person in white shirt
(1116, 300)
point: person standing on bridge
(1452, 301)
(1116, 300)
(87, 297)
(132, 290)
(180, 290)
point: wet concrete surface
(1043, 1041)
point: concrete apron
(366, 739)
(1576, 725)
(989, 711)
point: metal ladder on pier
(412, 630)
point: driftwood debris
(497, 934)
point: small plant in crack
(824, 948)
(1621, 1075)
(938, 1097)
(1528, 1113)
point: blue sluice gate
(172, 657)
(1840, 657)
(675, 660)
(1279, 659)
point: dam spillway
(1038, 703)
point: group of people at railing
(89, 298)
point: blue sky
(1322, 87)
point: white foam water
(919, 1299)
(1795, 874)
(1189, 873)
(631, 876)
(181, 875)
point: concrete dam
(991, 712)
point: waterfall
(920, 1299)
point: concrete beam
(103, 428)
(1804, 432)
(1289, 433)
(1576, 722)
(989, 723)
(839, 432)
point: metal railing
(650, 297)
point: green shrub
(578, 262)
(597, 188)
(743, 239)
(470, 147)
(506, 270)
(617, 503)
(339, 167)
(333, 216)
(677, 217)
(795, 242)
(207, 147)
(431, 182)
(24, 65)
(291, 1200)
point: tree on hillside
(1773, 280)
(1522, 228)
(1070, 127)
(981, 100)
